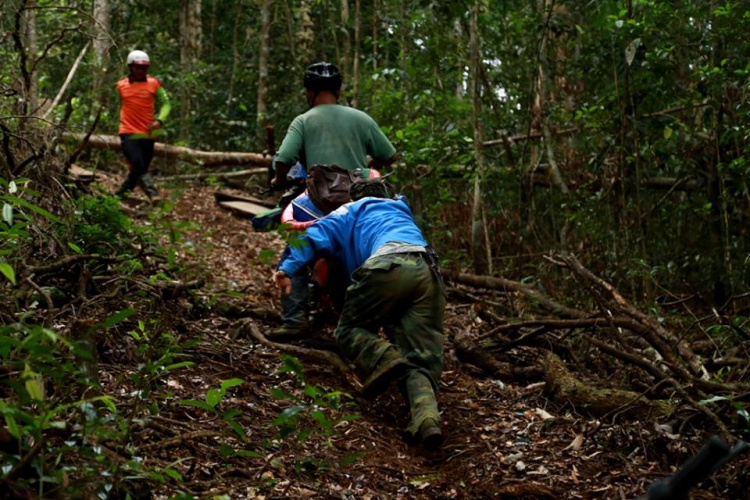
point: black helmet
(322, 76)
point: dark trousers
(400, 293)
(138, 153)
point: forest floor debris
(503, 440)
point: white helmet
(138, 57)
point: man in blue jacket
(395, 284)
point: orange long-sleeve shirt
(137, 110)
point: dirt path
(501, 440)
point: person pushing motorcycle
(327, 134)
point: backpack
(328, 186)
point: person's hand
(283, 282)
(278, 184)
(155, 125)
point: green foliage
(214, 396)
(314, 412)
(100, 225)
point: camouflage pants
(400, 293)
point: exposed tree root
(468, 352)
(178, 440)
(563, 386)
(314, 355)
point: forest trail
(501, 440)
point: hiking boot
(430, 435)
(287, 333)
(386, 372)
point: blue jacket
(353, 232)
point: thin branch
(74, 156)
(52, 44)
(65, 84)
(7, 134)
(25, 461)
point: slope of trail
(502, 440)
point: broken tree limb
(506, 284)
(617, 302)
(65, 84)
(315, 355)
(659, 375)
(205, 158)
(227, 196)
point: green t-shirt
(331, 134)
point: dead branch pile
(654, 369)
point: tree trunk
(347, 42)
(542, 84)
(290, 30)
(101, 43)
(265, 31)
(357, 39)
(375, 22)
(481, 253)
(403, 32)
(235, 55)
(191, 33)
(32, 47)
(305, 34)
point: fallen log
(218, 175)
(205, 158)
(226, 196)
(564, 387)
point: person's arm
(320, 239)
(379, 148)
(165, 107)
(379, 164)
(288, 152)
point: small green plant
(214, 397)
(315, 412)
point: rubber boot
(424, 426)
(128, 185)
(147, 184)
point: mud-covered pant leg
(138, 154)
(418, 333)
(399, 291)
(295, 305)
(369, 300)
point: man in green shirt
(327, 134)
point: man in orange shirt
(138, 127)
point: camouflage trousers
(401, 293)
